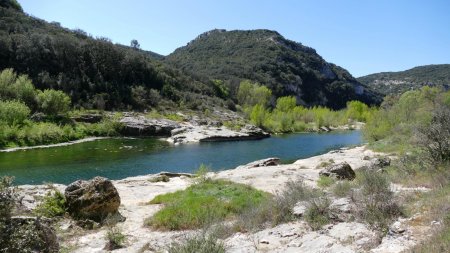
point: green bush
(318, 213)
(198, 244)
(53, 205)
(203, 203)
(13, 87)
(375, 200)
(13, 112)
(53, 102)
(115, 238)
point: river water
(120, 158)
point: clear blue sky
(360, 35)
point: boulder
(93, 199)
(339, 171)
(381, 162)
(141, 126)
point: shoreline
(62, 144)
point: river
(119, 158)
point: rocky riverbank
(267, 175)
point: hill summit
(266, 57)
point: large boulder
(94, 199)
(339, 171)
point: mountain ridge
(396, 82)
(266, 57)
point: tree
(250, 94)
(13, 112)
(53, 102)
(135, 44)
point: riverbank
(296, 236)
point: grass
(342, 188)
(203, 203)
(198, 244)
(325, 181)
(318, 213)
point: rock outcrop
(141, 126)
(94, 199)
(263, 163)
(339, 171)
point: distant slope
(399, 82)
(264, 56)
(93, 71)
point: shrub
(115, 238)
(342, 188)
(277, 209)
(435, 138)
(13, 112)
(53, 102)
(375, 200)
(318, 212)
(52, 205)
(199, 244)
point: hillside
(264, 56)
(411, 79)
(95, 72)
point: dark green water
(120, 158)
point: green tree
(13, 112)
(250, 94)
(53, 102)
(286, 104)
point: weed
(52, 205)
(115, 238)
(325, 181)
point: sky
(362, 36)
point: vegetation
(52, 205)
(412, 79)
(94, 72)
(375, 200)
(318, 213)
(287, 116)
(278, 209)
(49, 121)
(415, 127)
(115, 238)
(200, 243)
(23, 237)
(325, 181)
(202, 203)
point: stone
(93, 199)
(381, 162)
(397, 228)
(300, 208)
(264, 163)
(339, 171)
